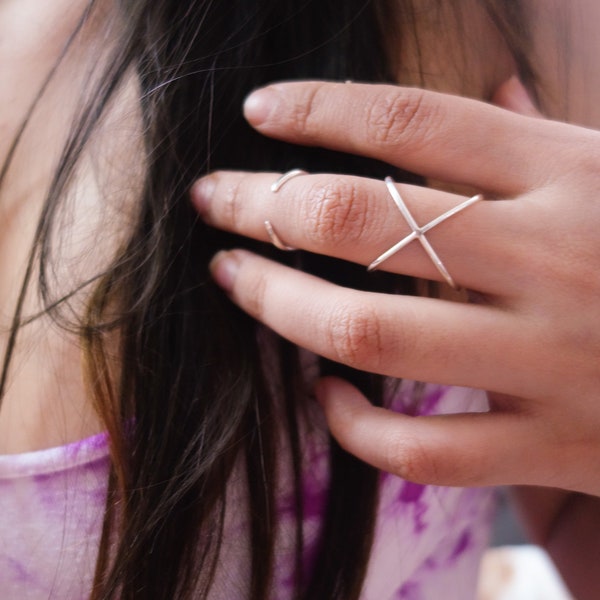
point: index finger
(445, 137)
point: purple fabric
(428, 539)
(50, 517)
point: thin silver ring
(275, 239)
(275, 187)
(418, 233)
(281, 181)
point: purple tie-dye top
(427, 545)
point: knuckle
(410, 459)
(395, 117)
(301, 116)
(231, 192)
(334, 213)
(355, 336)
(435, 463)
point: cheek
(567, 46)
(585, 53)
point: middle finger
(355, 219)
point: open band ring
(275, 187)
(418, 233)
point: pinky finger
(476, 449)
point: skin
(46, 402)
(566, 47)
(35, 410)
(531, 335)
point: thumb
(460, 450)
(513, 95)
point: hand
(532, 256)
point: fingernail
(224, 268)
(202, 192)
(259, 105)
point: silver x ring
(418, 233)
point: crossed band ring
(418, 233)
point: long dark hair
(200, 389)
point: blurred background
(514, 569)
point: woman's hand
(531, 255)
